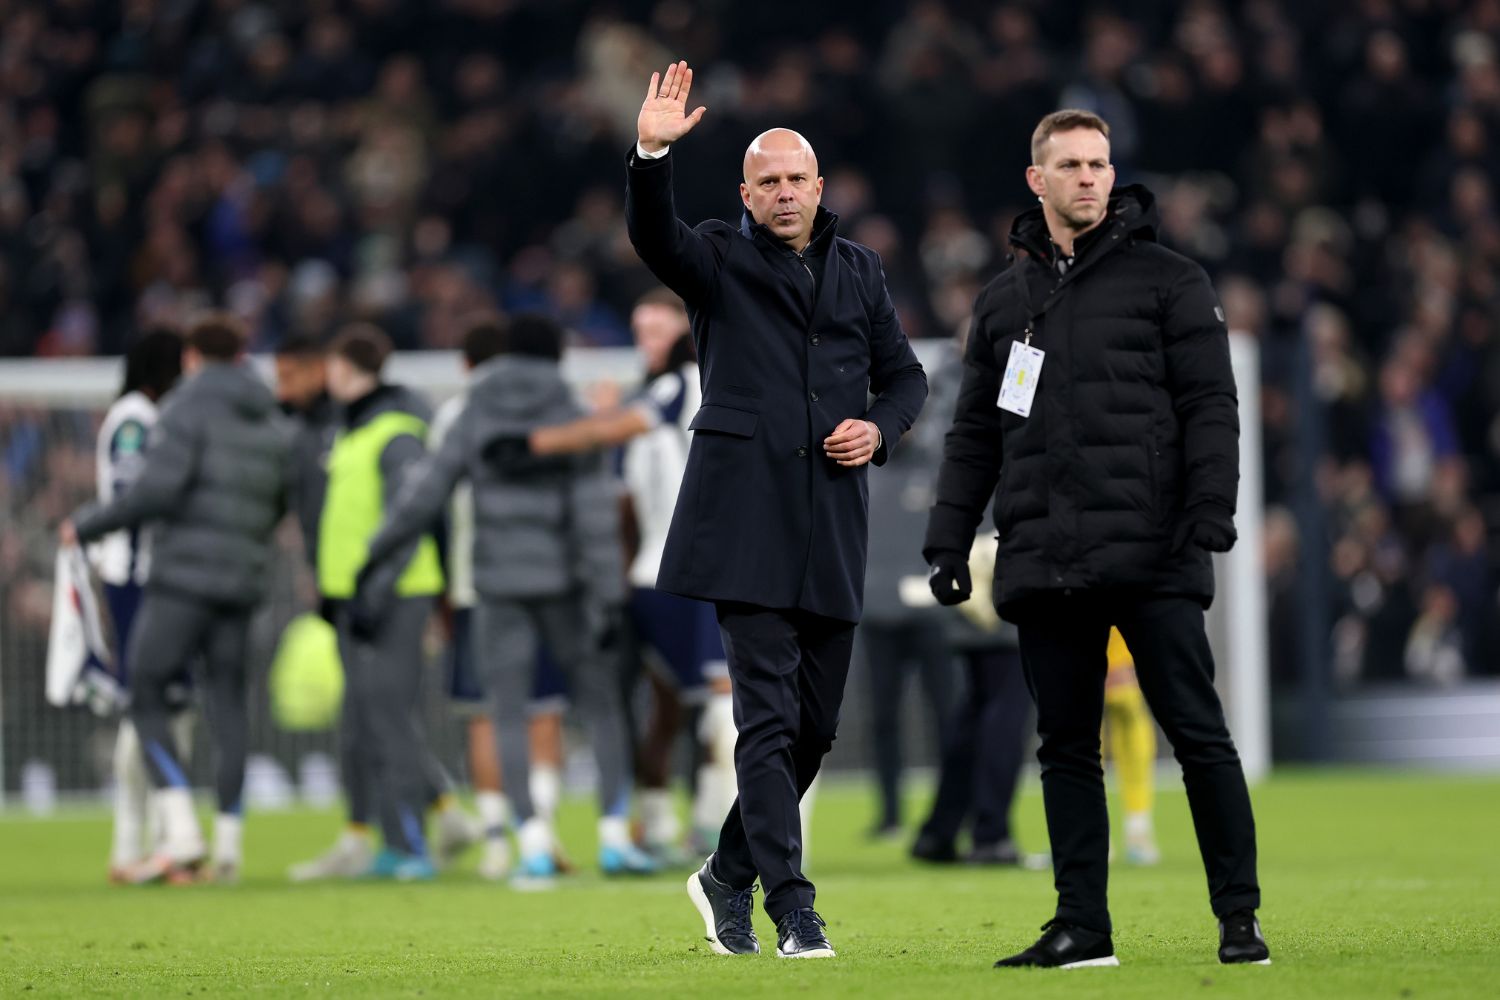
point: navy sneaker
(799, 934)
(726, 913)
(1240, 940)
(1064, 946)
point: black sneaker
(1064, 946)
(726, 913)
(799, 934)
(1240, 940)
(935, 850)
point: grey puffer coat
(538, 532)
(214, 484)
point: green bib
(354, 505)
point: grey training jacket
(536, 534)
(214, 484)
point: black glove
(508, 449)
(1208, 526)
(367, 609)
(512, 455)
(949, 578)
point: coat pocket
(725, 420)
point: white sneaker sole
(810, 953)
(1108, 962)
(706, 911)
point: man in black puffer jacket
(1113, 461)
(213, 489)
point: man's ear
(1036, 181)
(745, 196)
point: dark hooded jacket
(1134, 426)
(214, 484)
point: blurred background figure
(984, 738)
(123, 561)
(678, 639)
(547, 569)
(903, 635)
(213, 485)
(380, 611)
(1131, 744)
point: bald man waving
(795, 334)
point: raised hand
(664, 118)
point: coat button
(802, 452)
(813, 395)
(815, 339)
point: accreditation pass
(1022, 371)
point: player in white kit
(123, 560)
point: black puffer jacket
(1134, 427)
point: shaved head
(778, 140)
(782, 188)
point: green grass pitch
(1376, 885)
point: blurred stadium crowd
(1333, 165)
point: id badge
(1022, 372)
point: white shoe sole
(1108, 962)
(810, 953)
(706, 911)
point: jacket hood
(385, 398)
(1132, 208)
(520, 391)
(236, 384)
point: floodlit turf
(1376, 885)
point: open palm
(664, 118)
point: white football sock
(659, 816)
(535, 837)
(494, 813)
(1137, 825)
(716, 779)
(228, 837)
(546, 790)
(614, 831)
(132, 800)
(182, 838)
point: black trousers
(892, 651)
(1063, 642)
(986, 740)
(788, 670)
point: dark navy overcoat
(763, 515)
